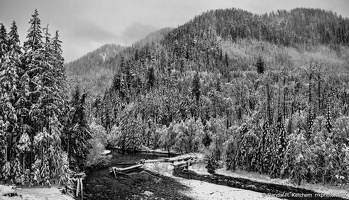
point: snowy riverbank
(10, 193)
(201, 190)
(328, 190)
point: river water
(100, 184)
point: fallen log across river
(127, 170)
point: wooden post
(75, 187)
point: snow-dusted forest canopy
(264, 93)
(38, 125)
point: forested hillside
(265, 93)
(94, 70)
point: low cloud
(135, 32)
(87, 36)
(92, 32)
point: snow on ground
(202, 190)
(207, 191)
(253, 176)
(320, 188)
(213, 191)
(32, 193)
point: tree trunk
(284, 103)
(309, 90)
(23, 162)
(319, 93)
(31, 152)
(268, 105)
(68, 147)
(279, 106)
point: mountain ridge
(279, 22)
(211, 31)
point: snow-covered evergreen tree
(32, 105)
(9, 86)
(34, 36)
(3, 41)
(77, 131)
(13, 40)
(58, 61)
(33, 62)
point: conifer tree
(13, 39)
(3, 41)
(43, 103)
(9, 88)
(196, 87)
(116, 84)
(226, 59)
(77, 131)
(128, 74)
(260, 65)
(281, 146)
(34, 63)
(269, 147)
(150, 77)
(58, 60)
(31, 105)
(2, 121)
(49, 78)
(60, 75)
(218, 85)
(106, 108)
(328, 118)
(9, 82)
(34, 36)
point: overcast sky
(85, 25)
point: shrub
(168, 137)
(107, 139)
(189, 135)
(320, 159)
(216, 132)
(95, 156)
(100, 139)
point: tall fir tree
(58, 60)
(44, 104)
(260, 65)
(9, 86)
(34, 36)
(77, 131)
(32, 106)
(3, 41)
(328, 124)
(13, 39)
(150, 78)
(196, 87)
